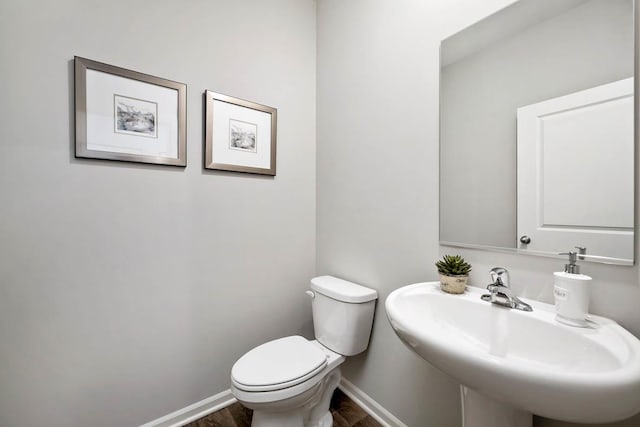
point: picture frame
(240, 135)
(128, 116)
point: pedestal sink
(513, 363)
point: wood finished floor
(345, 414)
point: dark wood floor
(345, 414)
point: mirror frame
(636, 155)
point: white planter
(453, 284)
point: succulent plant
(453, 265)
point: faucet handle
(499, 276)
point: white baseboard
(193, 412)
(221, 400)
(370, 406)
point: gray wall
(127, 291)
(377, 177)
(586, 46)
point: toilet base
(292, 418)
(326, 420)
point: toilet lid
(278, 364)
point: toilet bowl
(288, 382)
(282, 380)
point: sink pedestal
(479, 410)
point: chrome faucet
(500, 291)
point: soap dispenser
(571, 291)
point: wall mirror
(537, 119)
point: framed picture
(129, 116)
(240, 135)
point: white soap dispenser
(571, 291)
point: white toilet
(289, 382)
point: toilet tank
(342, 314)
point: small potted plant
(454, 272)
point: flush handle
(311, 294)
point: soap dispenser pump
(571, 291)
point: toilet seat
(278, 364)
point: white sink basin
(524, 359)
